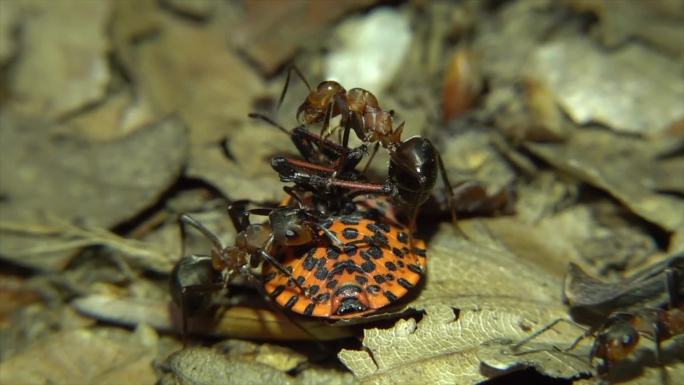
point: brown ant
(414, 163)
(618, 336)
(195, 276)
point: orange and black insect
(374, 268)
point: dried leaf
(207, 84)
(101, 184)
(205, 366)
(612, 88)
(657, 22)
(67, 45)
(477, 295)
(600, 159)
(103, 356)
(248, 172)
(9, 20)
(262, 36)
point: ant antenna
(287, 83)
(255, 115)
(190, 221)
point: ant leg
(450, 195)
(331, 237)
(291, 191)
(239, 215)
(370, 159)
(547, 328)
(187, 220)
(287, 83)
(268, 258)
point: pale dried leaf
(207, 83)
(9, 20)
(617, 89)
(262, 34)
(499, 298)
(101, 184)
(83, 357)
(248, 174)
(63, 63)
(599, 158)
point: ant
(414, 163)
(618, 336)
(287, 228)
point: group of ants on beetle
(330, 251)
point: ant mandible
(194, 276)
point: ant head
(413, 170)
(318, 102)
(616, 340)
(289, 227)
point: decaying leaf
(262, 36)
(614, 89)
(476, 295)
(46, 176)
(600, 158)
(247, 173)
(63, 65)
(84, 356)
(657, 22)
(201, 366)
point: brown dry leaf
(206, 366)
(85, 356)
(625, 167)
(207, 84)
(9, 20)
(62, 64)
(197, 9)
(472, 153)
(275, 356)
(248, 174)
(270, 31)
(478, 295)
(658, 22)
(633, 89)
(50, 179)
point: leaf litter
(575, 136)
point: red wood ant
(414, 163)
(195, 276)
(619, 336)
(644, 314)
